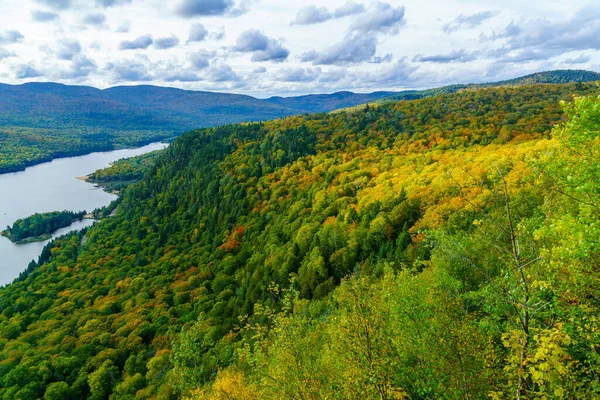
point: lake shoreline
(34, 163)
(41, 238)
(49, 187)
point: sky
(290, 47)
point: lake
(52, 186)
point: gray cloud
(541, 39)
(129, 71)
(312, 15)
(350, 8)
(464, 21)
(201, 59)
(299, 75)
(56, 4)
(353, 49)
(67, 49)
(10, 37)
(166, 42)
(182, 76)
(81, 67)
(379, 18)
(262, 47)
(397, 74)
(25, 71)
(218, 35)
(454, 56)
(96, 19)
(582, 59)
(207, 8)
(5, 53)
(222, 73)
(142, 42)
(198, 33)
(123, 27)
(360, 43)
(43, 16)
(111, 3)
(333, 76)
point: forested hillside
(546, 77)
(438, 248)
(42, 121)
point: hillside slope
(149, 307)
(42, 121)
(546, 77)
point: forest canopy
(41, 226)
(438, 248)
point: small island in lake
(39, 227)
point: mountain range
(153, 108)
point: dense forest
(41, 226)
(124, 172)
(438, 248)
(43, 121)
(24, 147)
(556, 77)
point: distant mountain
(42, 121)
(546, 77)
(52, 105)
(152, 108)
(327, 102)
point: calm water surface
(49, 187)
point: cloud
(454, 56)
(350, 8)
(360, 42)
(542, 39)
(5, 53)
(262, 47)
(218, 35)
(398, 74)
(315, 15)
(25, 71)
(123, 27)
(333, 76)
(182, 76)
(466, 21)
(198, 33)
(201, 59)
(299, 75)
(111, 3)
(81, 67)
(96, 19)
(142, 42)
(209, 8)
(353, 49)
(129, 71)
(10, 37)
(43, 16)
(222, 73)
(312, 15)
(582, 59)
(67, 49)
(379, 18)
(166, 42)
(56, 4)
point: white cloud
(361, 45)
